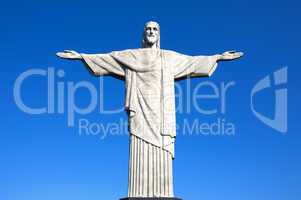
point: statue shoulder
(125, 51)
(171, 53)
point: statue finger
(239, 54)
(69, 51)
(232, 51)
(60, 54)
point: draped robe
(149, 76)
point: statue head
(151, 35)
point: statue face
(151, 33)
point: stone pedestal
(151, 198)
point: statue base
(151, 198)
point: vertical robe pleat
(150, 170)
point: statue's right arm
(98, 64)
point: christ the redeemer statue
(150, 73)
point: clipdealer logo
(279, 80)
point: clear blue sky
(42, 158)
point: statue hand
(231, 55)
(69, 54)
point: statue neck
(151, 46)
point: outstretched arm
(98, 64)
(196, 66)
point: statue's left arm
(197, 66)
